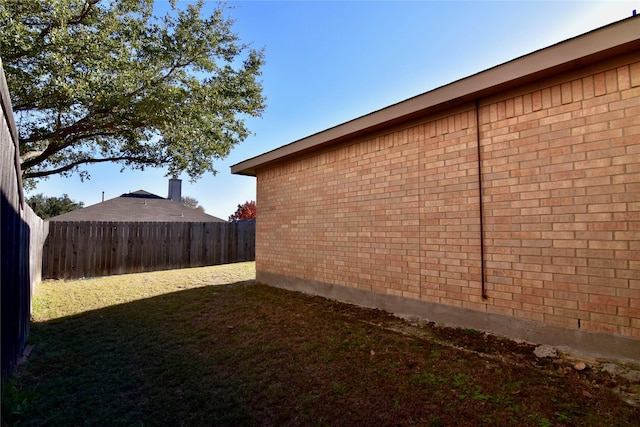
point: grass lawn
(208, 346)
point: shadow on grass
(152, 361)
(249, 354)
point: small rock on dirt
(545, 350)
(579, 365)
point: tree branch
(54, 148)
(29, 155)
(41, 157)
(72, 165)
(73, 21)
(85, 11)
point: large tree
(47, 207)
(108, 81)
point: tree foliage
(244, 211)
(108, 81)
(47, 207)
(192, 203)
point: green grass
(208, 346)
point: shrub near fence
(90, 249)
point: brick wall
(399, 212)
(562, 202)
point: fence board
(81, 249)
(90, 249)
(22, 235)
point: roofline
(614, 39)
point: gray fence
(91, 249)
(21, 236)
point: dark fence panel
(89, 249)
(21, 237)
(16, 298)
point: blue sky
(328, 62)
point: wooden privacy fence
(22, 233)
(91, 249)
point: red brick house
(508, 201)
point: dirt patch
(620, 376)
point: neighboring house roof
(619, 38)
(139, 206)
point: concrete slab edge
(566, 339)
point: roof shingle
(139, 206)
